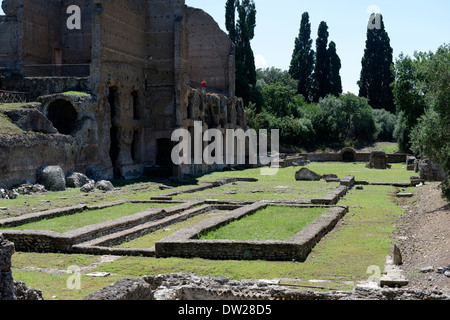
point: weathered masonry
(141, 63)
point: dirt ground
(424, 238)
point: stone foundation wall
(184, 243)
(358, 157)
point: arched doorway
(63, 116)
(348, 155)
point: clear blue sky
(413, 25)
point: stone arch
(63, 115)
(348, 155)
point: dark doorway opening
(348, 156)
(164, 152)
(136, 114)
(114, 151)
(63, 116)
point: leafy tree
(353, 117)
(280, 100)
(376, 73)
(334, 77)
(322, 67)
(274, 75)
(386, 123)
(431, 136)
(302, 63)
(409, 97)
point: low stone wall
(358, 157)
(184, 244)
(332, 197)
(49, 241)
(36, 87)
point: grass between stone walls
(360, 240)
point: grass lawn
(148, 241)
(282, 186)
(9, 128)
(89, 217)
(398, 173)
(271, 223)
(360, 240)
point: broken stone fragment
(398, 260)
(104, 185)
(77, 180)
(52, 178)
(304, 174)
(88, 187)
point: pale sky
(413, 25)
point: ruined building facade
(142, 63)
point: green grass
(76, 93)
(388, 147)
(9, 128)
(363, 238)
(85, 218)
(282, 186)
(398, 173)
(72, 196)
(148, 241)
(271, 223)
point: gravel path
(424, 239)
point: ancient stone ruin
(378, 160)
(429, 171)
(110, 95)
(10, 289)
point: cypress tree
(230, 18)
(322, 67)
(302, 63)
(334, 80)
(376, 73)
(241, 33)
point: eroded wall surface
(146, 60)
(211, 53)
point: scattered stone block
(52, 178)
(410, 163)
(415, 181)
(104, 185)
(427, 269)
(98, 274)
(76, 180)
(331, 178)
(404, 195)
(398, 260)
(393, 276)
(429, 171)
(378, 160)
(348, 181)
(304, 174)
(88, 187)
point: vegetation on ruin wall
(7, 127)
